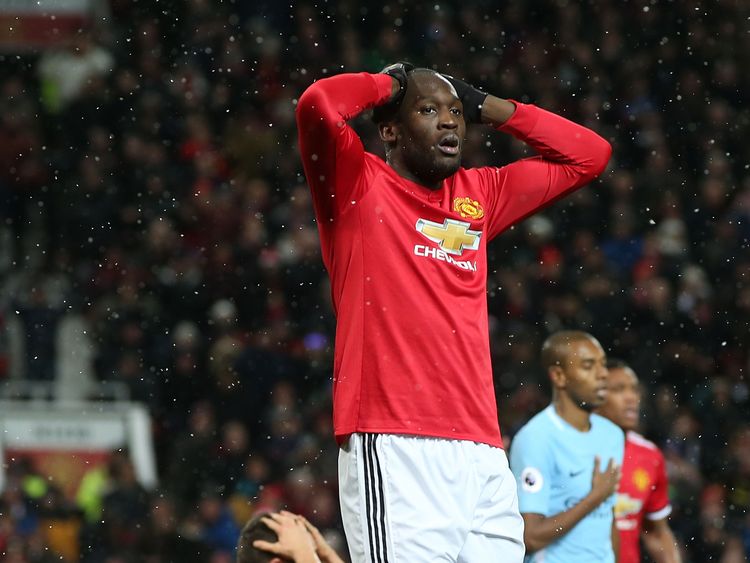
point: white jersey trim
(640, 440)
(660, 514)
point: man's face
(430, 129)
(623, 403)
(585, 370)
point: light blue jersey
(553, 464)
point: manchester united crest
(641, 479)
(468, 208)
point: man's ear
(557, 377)
(388, 131)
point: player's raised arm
(577, 154)
(332, 153)
(480, 107)
(557, 139)
(570, 155)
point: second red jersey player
(642, 497)
(642, 493)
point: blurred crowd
(153, 212)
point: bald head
(423, 83)
(557, 348)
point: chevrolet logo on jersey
(452, 236)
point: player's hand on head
(604, 483)
(400, 73)
(323, 549)
(472, 98)
(294, 541)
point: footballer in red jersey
(642, 503)
(422, 472)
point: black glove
(399, 71)
(471, 98)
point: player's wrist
(594, 499)
(472, 98)
(328, 556)
(399, 72)
(395, 89)
(304, 554)
(324, 550)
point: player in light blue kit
(566, 500)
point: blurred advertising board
(36, 24)
(64, 441)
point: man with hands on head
(567, 460)
(642, 504)
(423, 476)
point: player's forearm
(615, 536)
(560, 140)
(331, 151)
(326, 553)
(661, 546)
(330, 557)
(332, 101)
(541, 531)
(496, 111)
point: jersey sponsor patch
(627, 506)
(425, 251)
(451, 236)
(531, 480)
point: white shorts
(414, 499)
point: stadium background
(157, 232)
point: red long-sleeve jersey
(408, 264)
(643, 493)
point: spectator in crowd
(163, 539)
(219, 530)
